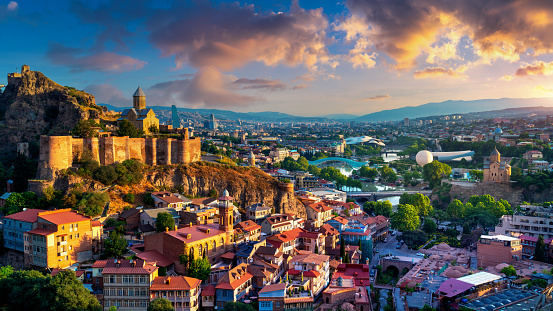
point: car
(392, 233)
(398, 246)
(377, 250)
(385, 240)
(420, 254)
(372, 273)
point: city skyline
(306, 58)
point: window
(76, 236)
(186, 293)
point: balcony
(62, 243)
(62, 254)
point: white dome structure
(424, 157)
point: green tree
(427, 308)
(165, 220)
(93, 203)
(129, 198)
(160, 304)
(405, 198)
(383, 208)
(17, 201)
(303, 163)
(388, 174)
(456, 209)
(115, 245)
(153, 129)
(509, 271)
(342, 248)
(84, 128)
(368, 172)
(113, 308)
(105, 174)
(200, 269)
(434, 172)
(414, 238)
(406, 218)
(429, 226)
(23, 170)
(126, 128)
(477, 174)
(237, 306)
(422, 203)
(66, 292)
(540, 254)
(5, 272)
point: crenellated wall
(59, 152)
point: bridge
(375, 196)
(354, 164)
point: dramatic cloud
(543, 89)
(269, 85)
(209, 88)
(408, 29)
(79, 60)
(507, 78)
(108, 94)
(230, 36)
(539, 68)
(12, 6)
(377, 97)
(433, 72)
(357, 31)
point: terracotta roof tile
(41, 232)
(62, 216)
(209, 290)
(174, 283)
(153, 255)
(30, 215)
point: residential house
(532, 155)
(131, 217)
(276, 297)
(246, 251)
(166, 199)
(314, 268)
(344, 208)
(16, 225)
(250, 229)
(258, 212)
(349, 283)
(529, 246)
(273, 259)
(127, 284)
(298, 239)
(208, 297)
(280, 223)
(319, 212)
(332, 236)
(198, 216)
(149, 216)
(59, 239)
(212, 239)
(183, 292)
(234, 286)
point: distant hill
(342, 116)
(452, 107)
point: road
(390, 248)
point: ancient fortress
(59, 152)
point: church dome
(498, 130)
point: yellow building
(212, 239)
(59, 239)
(140, 116)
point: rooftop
(174, 283)
(479, 278)
(62, 216)
(29, 215)
(499, 237)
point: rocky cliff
(246, 185)
(33, 105)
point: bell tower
(139, 99)
(495, 156)
(226, 211)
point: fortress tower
(226, 210)
(139, 99)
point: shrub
(129, 198)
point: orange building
(59, 239)
(183, 292)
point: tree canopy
(165, 221)
(406, 218)
(540, 253)
(115, 245)
(160, 304)
(126, 128)
(509, 271)
(434, 172)
(200, 269)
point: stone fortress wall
(59, 152)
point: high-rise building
(211, 123)
(175, 121)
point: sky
(307, 58)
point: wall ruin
(59, 152)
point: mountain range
(412, 112)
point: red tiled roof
(174, 283)
(30, 215)
(294, 272)
(198, 232)
(247, 225)
(62, 216)
(311, 274)
(235, 277)
(78, 273)
(41, 231)
(96, 223)
(229, 255)
(341, 220)
(320, 207)
(99, 264)
(153, 255)
(125, 267)
(209, 290)
(534, 239)
(273, 287)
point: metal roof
(479, 278)
(139, 93)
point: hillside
(34, 105)
(453, 106)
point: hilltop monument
(141, 117)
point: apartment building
(127, 284)
(59, 239)
(319, 212)
(496, 249)
(531, 221)
(298, 238)
(168, 199)
(258, 212)
(183, 292)
(16, 225)
(313, 267)
(234, 286)
(280, 223)
(250, 229)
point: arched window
(206, 248)
(200, 250)
(214, 245)
(222, 242)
